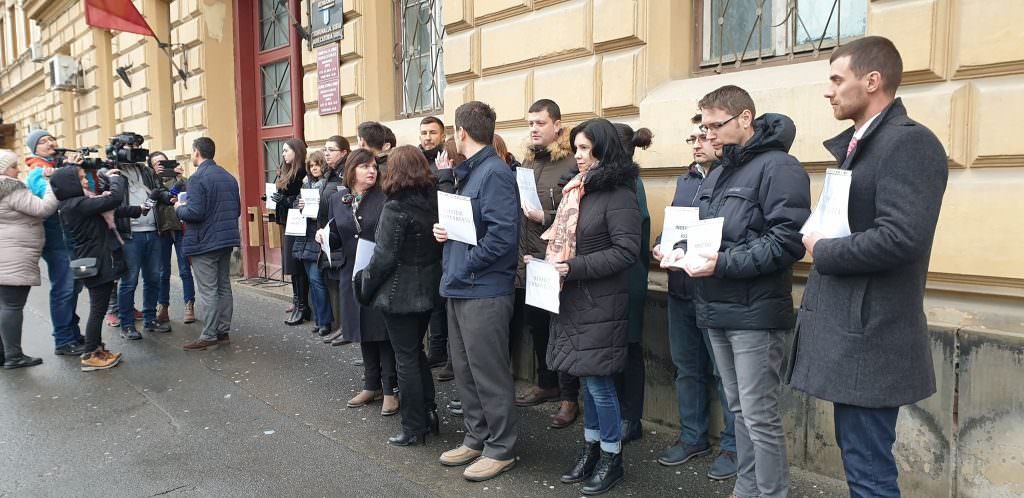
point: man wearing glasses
(689, 344)
(743, 292)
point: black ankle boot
(433, 422)
(585, 463)
(403, 439)
(298, 316)
(608, 473)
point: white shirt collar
(863, 129)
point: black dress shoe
(585, 463)
(324, 331)
(70, 349)
(22, 362)
(631, 431)
(433, 421)
(607, 474)
(403, 439)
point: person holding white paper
(478, 283)
(289, 183)
(744, 288)
(593, 241)
(307, 249)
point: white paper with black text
(676, 221)
(702, 237)
(830, 217)
(543, 285)
(527, 188)
(455, 214)
(311, 202)
(296, 224)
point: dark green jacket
(638, 272)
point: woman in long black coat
(289, 185)
(593, 242)
(402, 282)
(354, 214)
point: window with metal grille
(735, 33)
(418, 57)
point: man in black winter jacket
(743, 292)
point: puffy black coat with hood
(405, 272)
(88, 232)
(589, 335)
(764, 195)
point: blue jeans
(63, 297)
(602, 419)
(695, 369)
(188, 287)
(866, 436)
(321, 300)
(141, 253)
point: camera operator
(170, 231)
(43, 158)
(141, 240)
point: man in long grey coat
(862, 335)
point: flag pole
(166, 47)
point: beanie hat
(33, 139)
(7, 159)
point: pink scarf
(561, 236)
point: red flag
(118, 15)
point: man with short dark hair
(211, 211)
(550, 156)
(689, 345)
(379, 139)
(432, 137)
(862, 338)
(478, 283)
(743, 291)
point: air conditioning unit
(35, 49)
(64, 73)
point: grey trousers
(749, 362)
(478, 341)
(12, 306)
(212, 274)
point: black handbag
(84, 268)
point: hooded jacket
(549, 164)
(405, 270)
(37, 184)
(764, 195)
(88, 232)
(21, 231)
(589, 335)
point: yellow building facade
(643, 62)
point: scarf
(561, 236)
(108, 216)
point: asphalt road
(265, 416)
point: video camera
(123, 148)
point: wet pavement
(266, 416)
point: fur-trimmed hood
(611, 176)
(555, 151)
(10, 185)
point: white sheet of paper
(182, 198)
(296, 224)
(702, 237)
(830, 217)
(455, 214)
(325, 240)
(543, 285)
(676, 221)
(364, 253)
(270, 189)
(311, 198)
(527, 188)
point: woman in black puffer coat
(402, 281)
(306, 250)
(593, 242)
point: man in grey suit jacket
(862, 335)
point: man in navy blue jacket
(211, 213)
(478, 281)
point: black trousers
(438, 341)
(536, 322)
(12, 315)
(99, 298)
(417, 394)
(629, 384)
(378, 366)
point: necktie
(850, 148)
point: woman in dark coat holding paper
(307, 249)
(593, 241)
(355, 212)
(402, 282)
(289, 185)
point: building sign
(327, 21)
(328, 81)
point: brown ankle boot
(567, 413)
(190, 312)
(162, 313)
